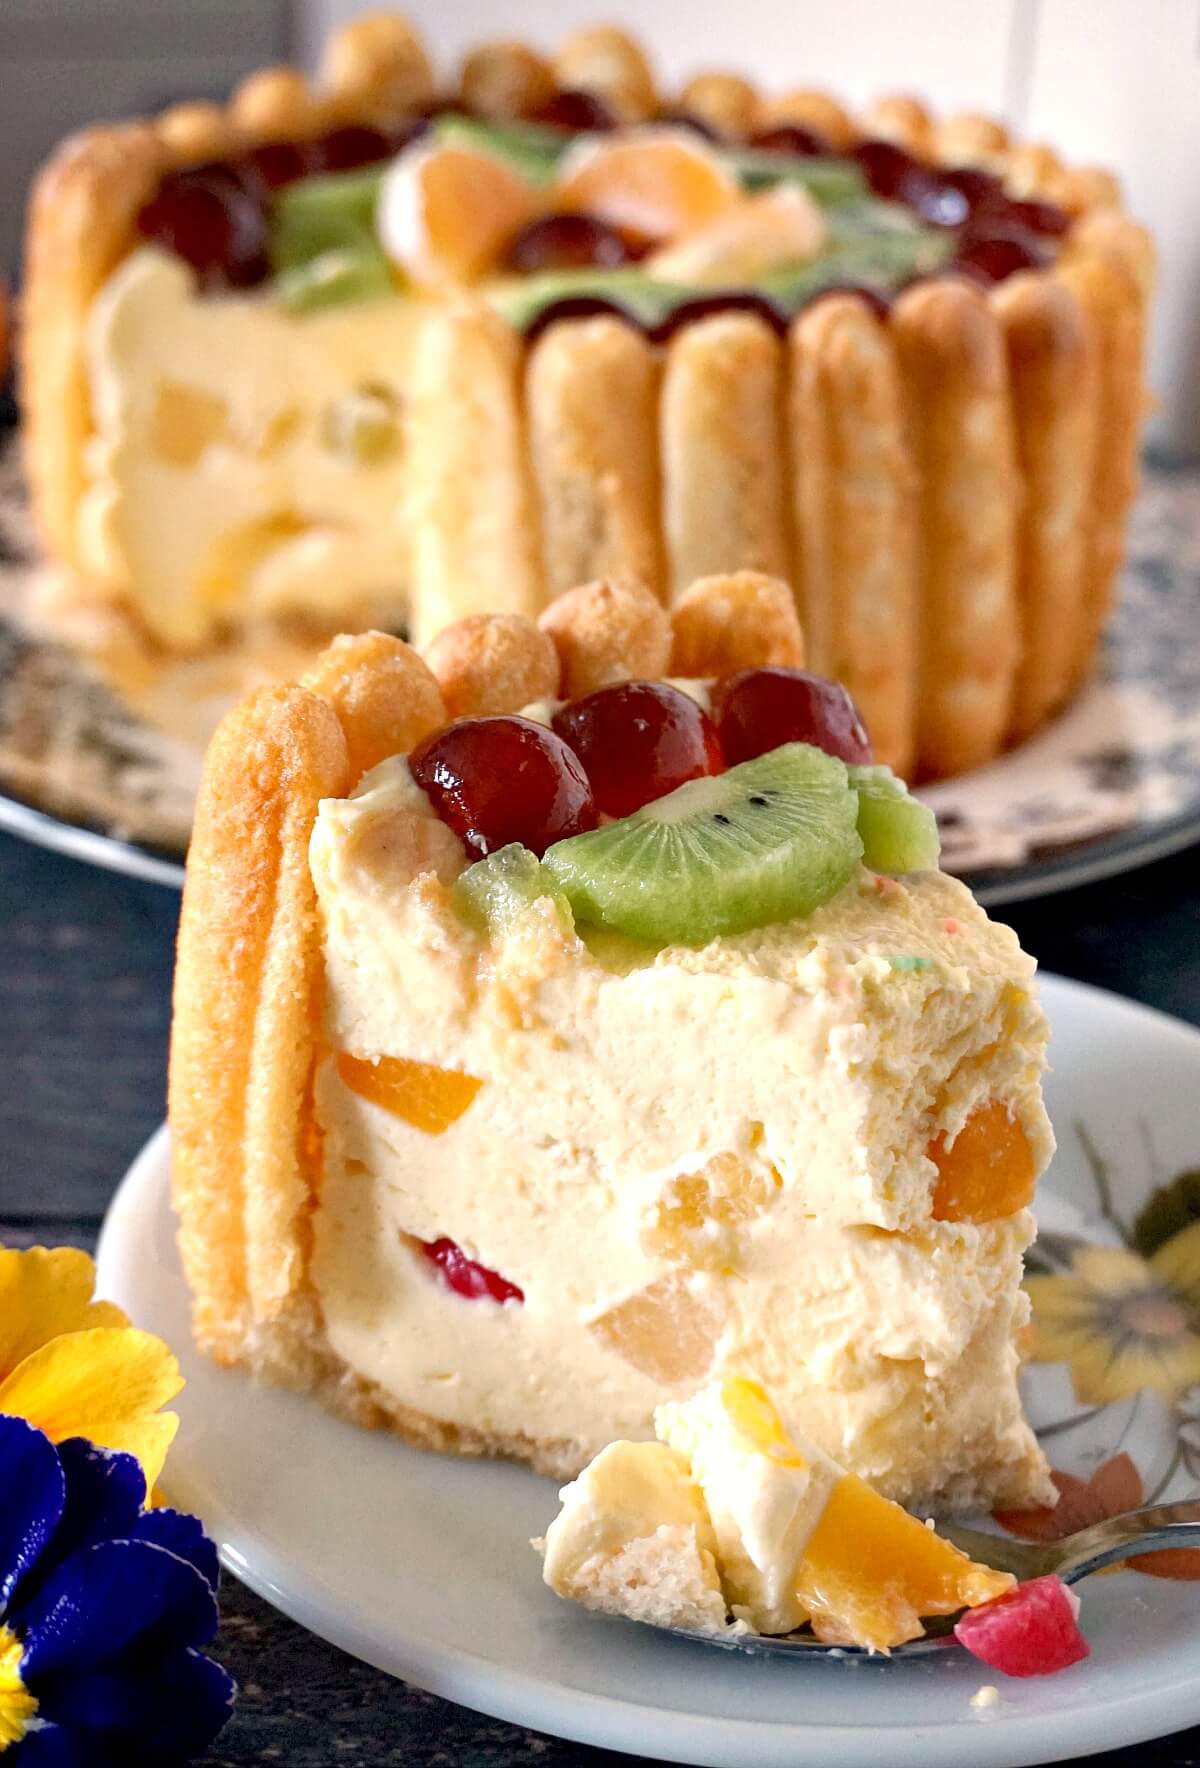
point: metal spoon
(1072, 1558)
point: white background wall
(1111, 81)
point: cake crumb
(985, 1697)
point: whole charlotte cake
(552, 1038)
(381, 352)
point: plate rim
(536, 1701)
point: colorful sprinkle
(950, 925)
(907, 962)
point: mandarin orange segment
(656, 184)
(754, 1416)
(429, 1098)
(870, 1571)
(987, 1171)
(446, 213)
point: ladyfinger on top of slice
(736, 620)
(608, 631)
(384, 693)
(491, 663)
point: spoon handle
(1137, 1531)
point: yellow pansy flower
(74, 1366)
(1123, 1322)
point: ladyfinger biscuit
(854, 488)
(1115, 236)
(739, 620)
(276, 104)
(193, 132)
(609, 63)
(505, 79)
(903, 119)
(492, 663)
(811, 109)
(1053, 372)
(380, 64)
(81, 224)
(1112, 298)
(591, 397)
(385, 696)
(722, 450)
(726, 101)
(474, 541)
(605, 632)
(969, 139)
(244, 1014)
(955, 389)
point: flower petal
(101, 1384)
(170, 1710)
(44, 1293)
(1077, 1507)
(110, 1600)
(34, 1492)
(1178, 1260)
(1107, 1370)
(1112, 1270)
(53, 1746)
(105, 1493)
(184, 1535)
(1117, 1485)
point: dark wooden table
(85, 962)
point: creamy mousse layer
(688, 1162)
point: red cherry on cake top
(465, 1277)
(760, 709)
(501, 779)
(637, 741)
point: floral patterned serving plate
(420, 1564)
(110, 776)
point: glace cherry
(465, 1277)
(580, 112)
(792, 138)
(567, 242)
(501, 779)
(638, 740)
(759, 709)
(210, 219)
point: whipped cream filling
(736, 1135)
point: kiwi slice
(767, 841)
(899, 833)
(493, 893)
(333, 278)
(334, 212)
(828, 181)
(532, 150)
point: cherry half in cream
(760, 709)
(501, 779)
(466, 1278)
(637, 741)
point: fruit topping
(661, 183)
(446, 213)
(493, 893)
(1038, 217)
(1032, 1631)
(791, 138)
(899, 833)
(567, 242)
(211, 220)
(688, 119)
(987, 1171)
(638, 740)
(467, 1278)
(503, 779)
(667, 1331)
(337, 278)
(767, 841)
(885, 166)
(354, 145)
(682, 313)
(758, 709)
(276, 163)
(779, 226)
(327, 214)
(830, 182)
(871, 1571)
(992, 253)
(577, 112)
(429, 1098)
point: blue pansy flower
(103, 1608)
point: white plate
(420, 1564)
(1112, 784)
